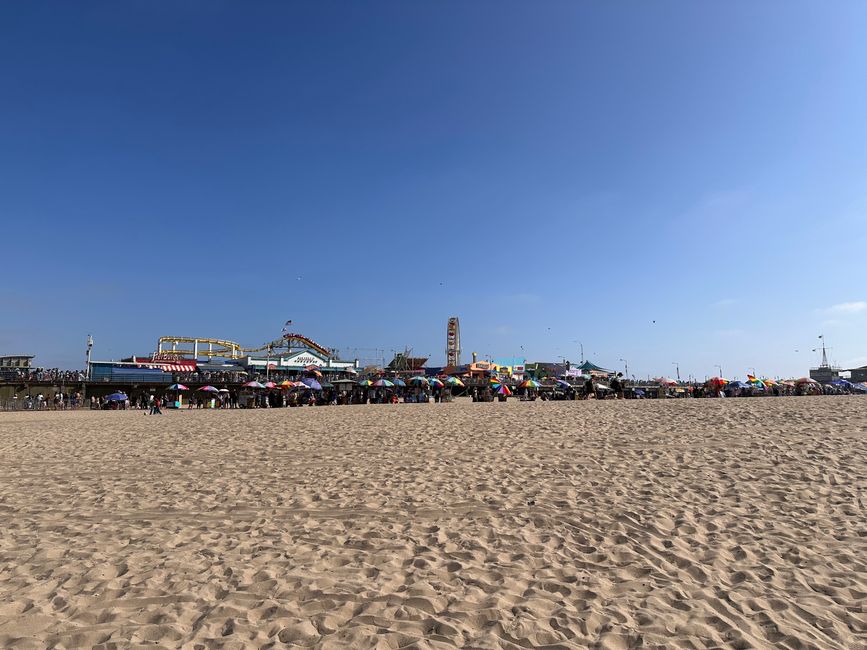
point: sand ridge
(679, 524)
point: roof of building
(402, 362)
(587, 366)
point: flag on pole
(286, 326)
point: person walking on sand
(155, 406)
(588, 388)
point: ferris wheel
(453, 342)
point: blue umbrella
(398, 382)
(311, 383)
(117, 397)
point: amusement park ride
(229, 349)
(453, 342)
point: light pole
(753, 373)
(626, 367)
(720, 370)
(677, 366)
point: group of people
(40, 402)
(42, 374)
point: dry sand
(680, 524)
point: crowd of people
(42, 374)
(60, 401)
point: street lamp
(677, 366)
(719, 367)
(626, 367)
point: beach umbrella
(287, 384)
(433, 381)
(717, 381)
(454, 381)
(529, 383)
(253, 384)
(419, 380)
(209, 389)
(755, 381)
(269, 384)
(177, 387)
(311, 383)
(313, 370)
(383, 383)
(224, 390)
(502, 389)
(563, 383)
(666, 381)
(365, 382)
(398, 382)
(117, 397)
(806, 380)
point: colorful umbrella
(433, 381)
(209, 389)
(398, 382)
(419, 380)
(177, 387)
(117, 397)
(530, 383)
(753, 380)
(269, 384)
(502, 389)
(287, 384)
(365, 382)
(313, 370)
(454, 381)
(806, 380)
(253, 384)
(666, 381)
(311, 383)
(563, 384)
(383, 383)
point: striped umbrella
(177, 387)
(454, 381)
(433, 381)
(383, 383)
(530, 383)
(253, 384)
(209, 389)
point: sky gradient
(660, 182)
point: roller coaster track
(168, 345)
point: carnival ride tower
(453, 342)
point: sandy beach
(678, 524)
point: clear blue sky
(551, 173)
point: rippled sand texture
(683, 524)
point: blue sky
(660, 182)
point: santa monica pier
(295, 370)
